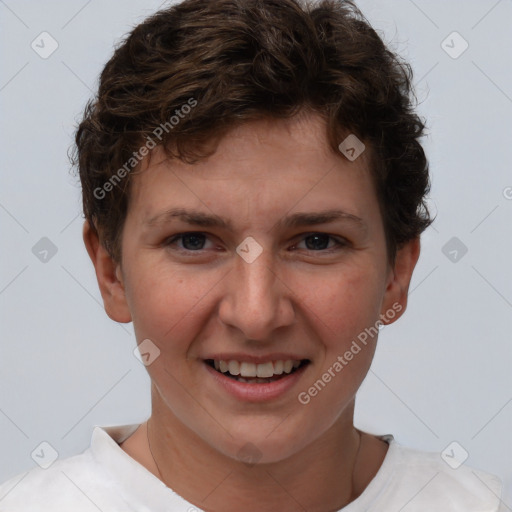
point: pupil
(193, 240)
(316, 245)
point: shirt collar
(138, 486)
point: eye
(195, 241)
(321, 242)
(192, 241)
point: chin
(258, 445)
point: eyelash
(340, 242)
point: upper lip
(277, 356)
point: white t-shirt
(106, 478)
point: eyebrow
(198, 218)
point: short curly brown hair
(188, 74)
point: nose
(257, 300)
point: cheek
(341, 303)
(165, 301)
(342, 306)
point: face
(270, 254)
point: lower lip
(257, 392)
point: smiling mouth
(253, 373)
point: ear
(109, 276)
(397, 289)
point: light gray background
(441, 374)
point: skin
(296, 297)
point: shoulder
(75, 481)
(80, 483)
(430, 481)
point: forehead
(261, 167)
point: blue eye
(190, 241)
(196, 242)
(318, 241)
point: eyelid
(179, 236)
(340, 241)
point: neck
(318, 478)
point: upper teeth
(262, 370)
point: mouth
(257, 373)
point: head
(225, 118)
